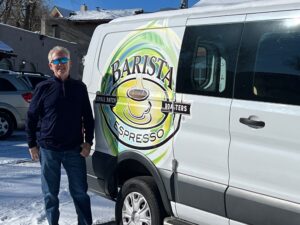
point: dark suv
(33, 78)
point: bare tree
(26, 14)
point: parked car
(15, 95)
(33, 78)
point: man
(61, 107)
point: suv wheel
(139, 202)
(6, 125)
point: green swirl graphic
(141, 73)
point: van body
(197, 115)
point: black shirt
(62, 111)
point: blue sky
(147, 5)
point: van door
(264, 157)
(205, 79)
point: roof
(102, 14)
(241, 3)
(61, 11)
(218, 7)
(227, 2)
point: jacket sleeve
(33, 116)
(88, 119)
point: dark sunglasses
(63, 60)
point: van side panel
(205, 81)
(264, 157)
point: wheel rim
(3, 126)
(136, 210)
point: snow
(21, 200)
(102, 14)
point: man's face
(60, 65)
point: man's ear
(50, 66)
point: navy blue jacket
(60, 115)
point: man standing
(62, 109)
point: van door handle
(252, 123)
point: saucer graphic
(145, 119)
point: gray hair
(57, 49)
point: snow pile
(21, 200)
(103, 14)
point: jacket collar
(59, 80)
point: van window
(269, 68)
(207, 59)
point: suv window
(5, 85)
(33, 80)
(208, 59)
(269, 68)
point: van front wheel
(138, 202)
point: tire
(6, 125)
(148, 210)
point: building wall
(75, 31)
(33, 48)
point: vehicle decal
(137, 94)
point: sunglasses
(63, 60)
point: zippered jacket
(60, 116)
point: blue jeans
(75, 167)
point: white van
(197, 115)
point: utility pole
(184, 4)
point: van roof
(218, 7)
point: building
(78, 26)
(23, 50)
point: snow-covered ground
(21, 201)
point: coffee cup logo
(139, 106)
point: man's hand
(86, 148)
(34, 153)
